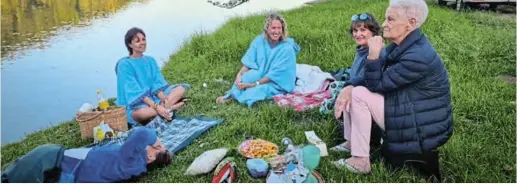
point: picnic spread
(106, 124)
(296, 164)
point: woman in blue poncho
(140, 85)
(269, 65)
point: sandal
(339, 163)
(340, 148)
(355, 169)
(342, 163)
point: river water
(57, 53)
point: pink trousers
(365, 105)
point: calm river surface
(57, 53)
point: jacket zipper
(416, 127)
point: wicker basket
(116, 118)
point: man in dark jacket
(413, 84)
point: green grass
(476, 48)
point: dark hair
(131, 33)
(370, 23)
(162, 159)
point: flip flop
(341, 163)
(353, 169)
(340, 148)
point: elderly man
(406, 90)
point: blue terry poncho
(278, 63)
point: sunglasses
(362, 16)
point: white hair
(416, 9)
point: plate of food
(258, 148)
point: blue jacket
(357, 70)
(417, 98)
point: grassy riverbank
(476, 47)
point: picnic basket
(115, 117)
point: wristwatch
(257, 83)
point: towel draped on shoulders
(277, 63)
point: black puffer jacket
(417, 98)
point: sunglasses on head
(362, 16)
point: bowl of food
(258, 148)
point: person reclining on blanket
(363, 27)
(406, 91)
(111, 163)
(141, 87)
(269, 65)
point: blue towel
(175, 135)
(277, 63)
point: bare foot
(177, 105)
(221, 100)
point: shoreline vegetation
(475, 46)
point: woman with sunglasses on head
(415, 109)
(363, 27)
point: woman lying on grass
(414, 108)
(269, 65)
(364, 26)
(141, 87)
(111, 163)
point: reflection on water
(27, 23)
(230, 4)
(83, 40)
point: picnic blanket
(174, 135)
(304, 101)
(341, 76)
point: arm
(150, 103)
(357, 81)
(264, 80)
(243, 69)
(162, 96)
(407, 70)
(137, 142)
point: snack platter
(258, 148)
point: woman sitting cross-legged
(407, 92)
(269, 65)
(141, 86)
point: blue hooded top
(112, 163)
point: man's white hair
(416, 9)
